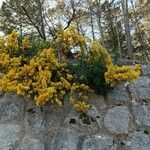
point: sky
(52, 4)
(1, 1)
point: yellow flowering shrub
(45, 79)
(99, 52)
(8, 49)
(98, 56)
(12, 42)
(25, 43)
(70, 38)
(2, 47)
(41, 77)
(116, 74)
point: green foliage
(90, 73)
(78, 68)
(37, 44)
(95, 76)
(116, 54)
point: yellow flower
(69, 77)
(116, 74)
(12, 42)
(58, 102)
(25, 43)
(81, 106)
(2, 44)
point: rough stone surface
(118, 94)
(72, 115)
(34, 120)
(93, 112)
(146, 69)
(66, 139)
(142, 81)
(140, 93)
(96, 100)
(142, 115)
(1, 94)
(138, 141)
(55, 117)
(140, 89)
(29, 143)
(117, 119)
(99, 142)
(9, 135)
(10, 107)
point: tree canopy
(121, 26)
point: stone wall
(119, 121)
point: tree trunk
(98, 14)
(139, 33)
(127, 29)
(91, 18)
(41, 16)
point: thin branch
(33, 23)
(71, 19)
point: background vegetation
(122, 26)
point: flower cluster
(8, 49)
(116, 74)
(25, 43)
(99, 52)
(81, 106)
(12, 42)
(70, 38)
